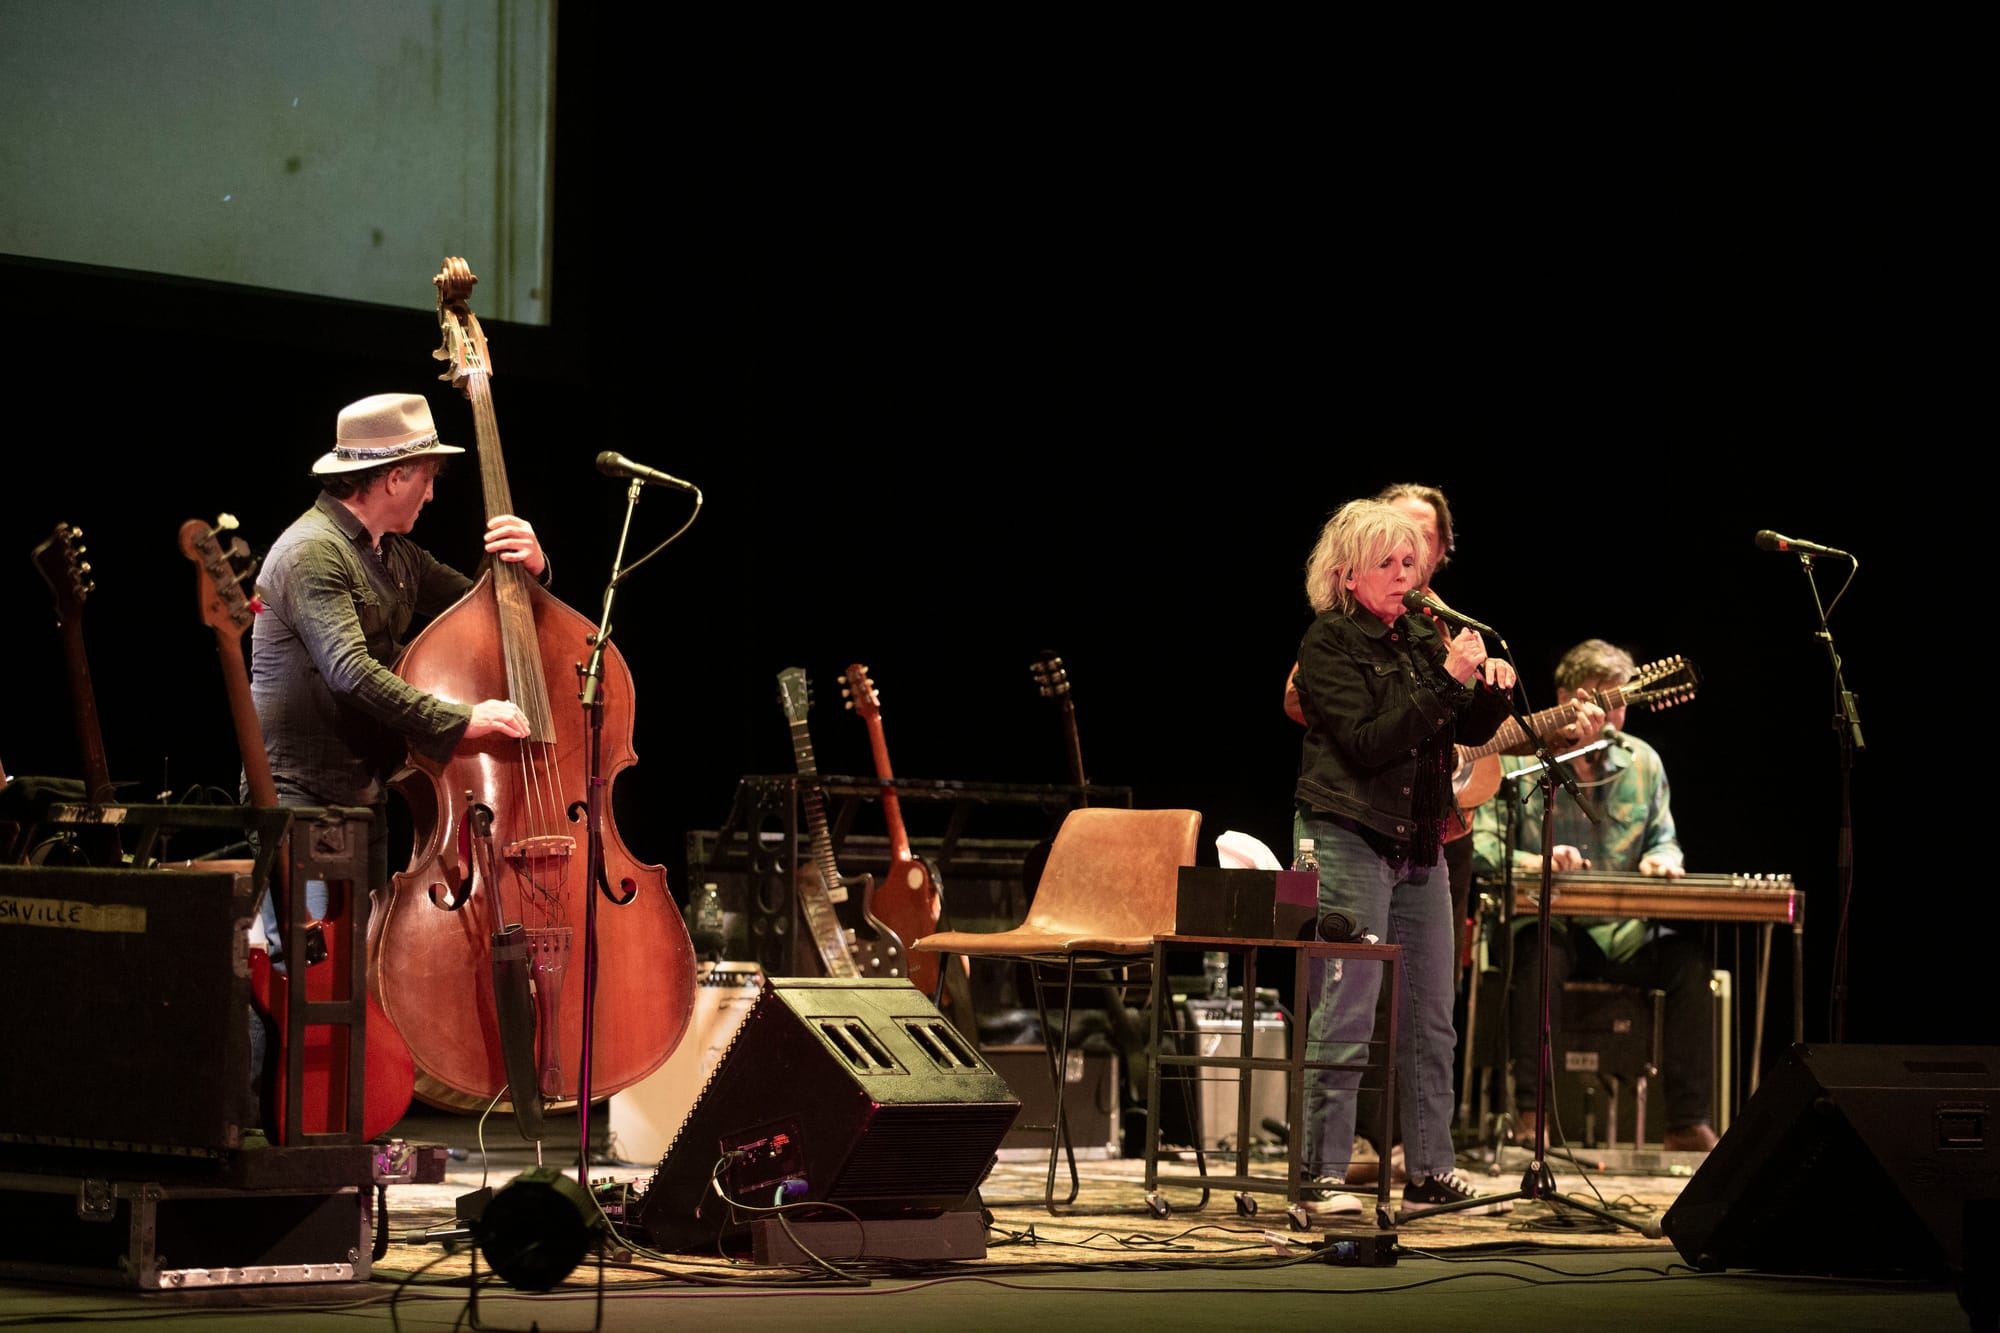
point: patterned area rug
(1113, 1220)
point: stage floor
(1110, 1261)
(1113, 1218)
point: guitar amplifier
(1090, 1101)
(126, 980)
(645, 1117)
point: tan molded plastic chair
(1108, 888)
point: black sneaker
(1328, 1197)
(1424, 1194)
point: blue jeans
(1401, 903)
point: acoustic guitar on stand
(388, 1071)
(1654, 686)
(907, 899)
(818, 883)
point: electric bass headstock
(63, 568)
(220, 575)
(860, 692)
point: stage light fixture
(537, 1229)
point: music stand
(1538, 1181)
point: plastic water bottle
(711, 934)
(1215, 965)
(1308, 859)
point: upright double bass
(500, 861)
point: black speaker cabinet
(1853, 1161)
(854, 1092)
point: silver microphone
(1415, 600)
(1768, 540)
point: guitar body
(906, 904)
(1472, 786)
(872, 950)
(389, 1074)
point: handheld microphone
(1768, 540)
(613, 464)
(1415, 600)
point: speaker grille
(911, 1150)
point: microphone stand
(1510, 842)
(1538, 1182)
(592, 698)
(1847, 726)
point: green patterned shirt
(1638, 822)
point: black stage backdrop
(1072, 340)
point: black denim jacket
(1382, 716)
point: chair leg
(955, 997)
(1059, 1139)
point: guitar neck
(820, 840)
(1073, 746)
(892, 809)
(1544, 722)
(513, 586)
(243, 716)
(814, 898)
(83, 704)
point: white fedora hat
(382, 428)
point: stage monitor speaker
(851, 1092)
(1850, 1161)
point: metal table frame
(1294, 1067)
